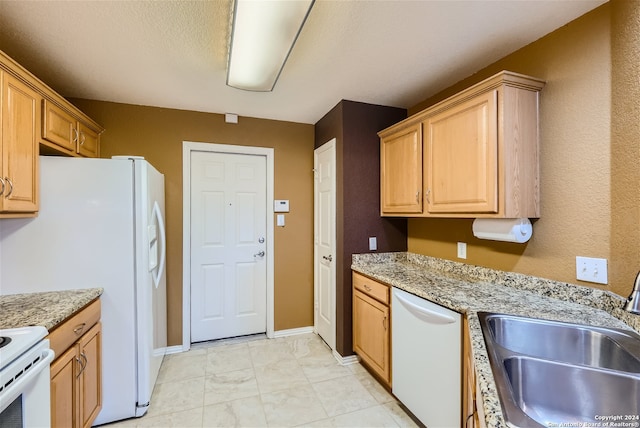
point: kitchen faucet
(633, 302)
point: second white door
(228, 248)
(325, 242)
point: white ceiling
(173, 53)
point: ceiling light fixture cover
(262, 36)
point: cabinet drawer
(372, 288)
(67, 333)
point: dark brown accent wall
(355, 126)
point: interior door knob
(260, 254)
(328, 258)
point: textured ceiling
(173, 53)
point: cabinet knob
(2, 188)
(366, 287)
(426, 195)
(418, 197)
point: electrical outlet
(591, 269)
(462, 250)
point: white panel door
(325, 242)
(228, 234)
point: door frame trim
(187, 148)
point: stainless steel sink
(570, 343)
(553, 393)
(550, 372)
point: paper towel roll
(503, 229)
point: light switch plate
(280, 220)
(591, 269)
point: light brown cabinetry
(401, 171)
(76, 373)
(462, 155)
(35, 120)
(470, 414)
(372, 325)
(63, 131)
(20, 119)
(479, 152)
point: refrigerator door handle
(157, 273)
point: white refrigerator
(101, 224)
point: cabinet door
(88, 142)
(371, 333)
(59, 127)
(401, 171)
(90, 377)
(468, 379)
(20, 139)
(461, 166)
(64, 390)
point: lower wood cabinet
(470, 414)
(76, 373)
(372, 326)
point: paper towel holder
(503, 229)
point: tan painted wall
(577, 157)
(157, 134)
(625, 142)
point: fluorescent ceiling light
(263, 34)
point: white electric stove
(24, 377)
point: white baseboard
(345, 361)
(176, 349)
(292, 332)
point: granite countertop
(471, 289)
(47, 309)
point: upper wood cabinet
(479, 153)
(35, 120)
(401, 171)
(62, 131)
(20, 119)
(462, 155)
(62, 128)
(88, 141)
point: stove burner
(4, 341)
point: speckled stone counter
(470, 289)
(47, 309)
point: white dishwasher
(426, 359)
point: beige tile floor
(259, 382)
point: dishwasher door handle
(423, 313)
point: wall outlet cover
(462, 250)
(373, 243)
